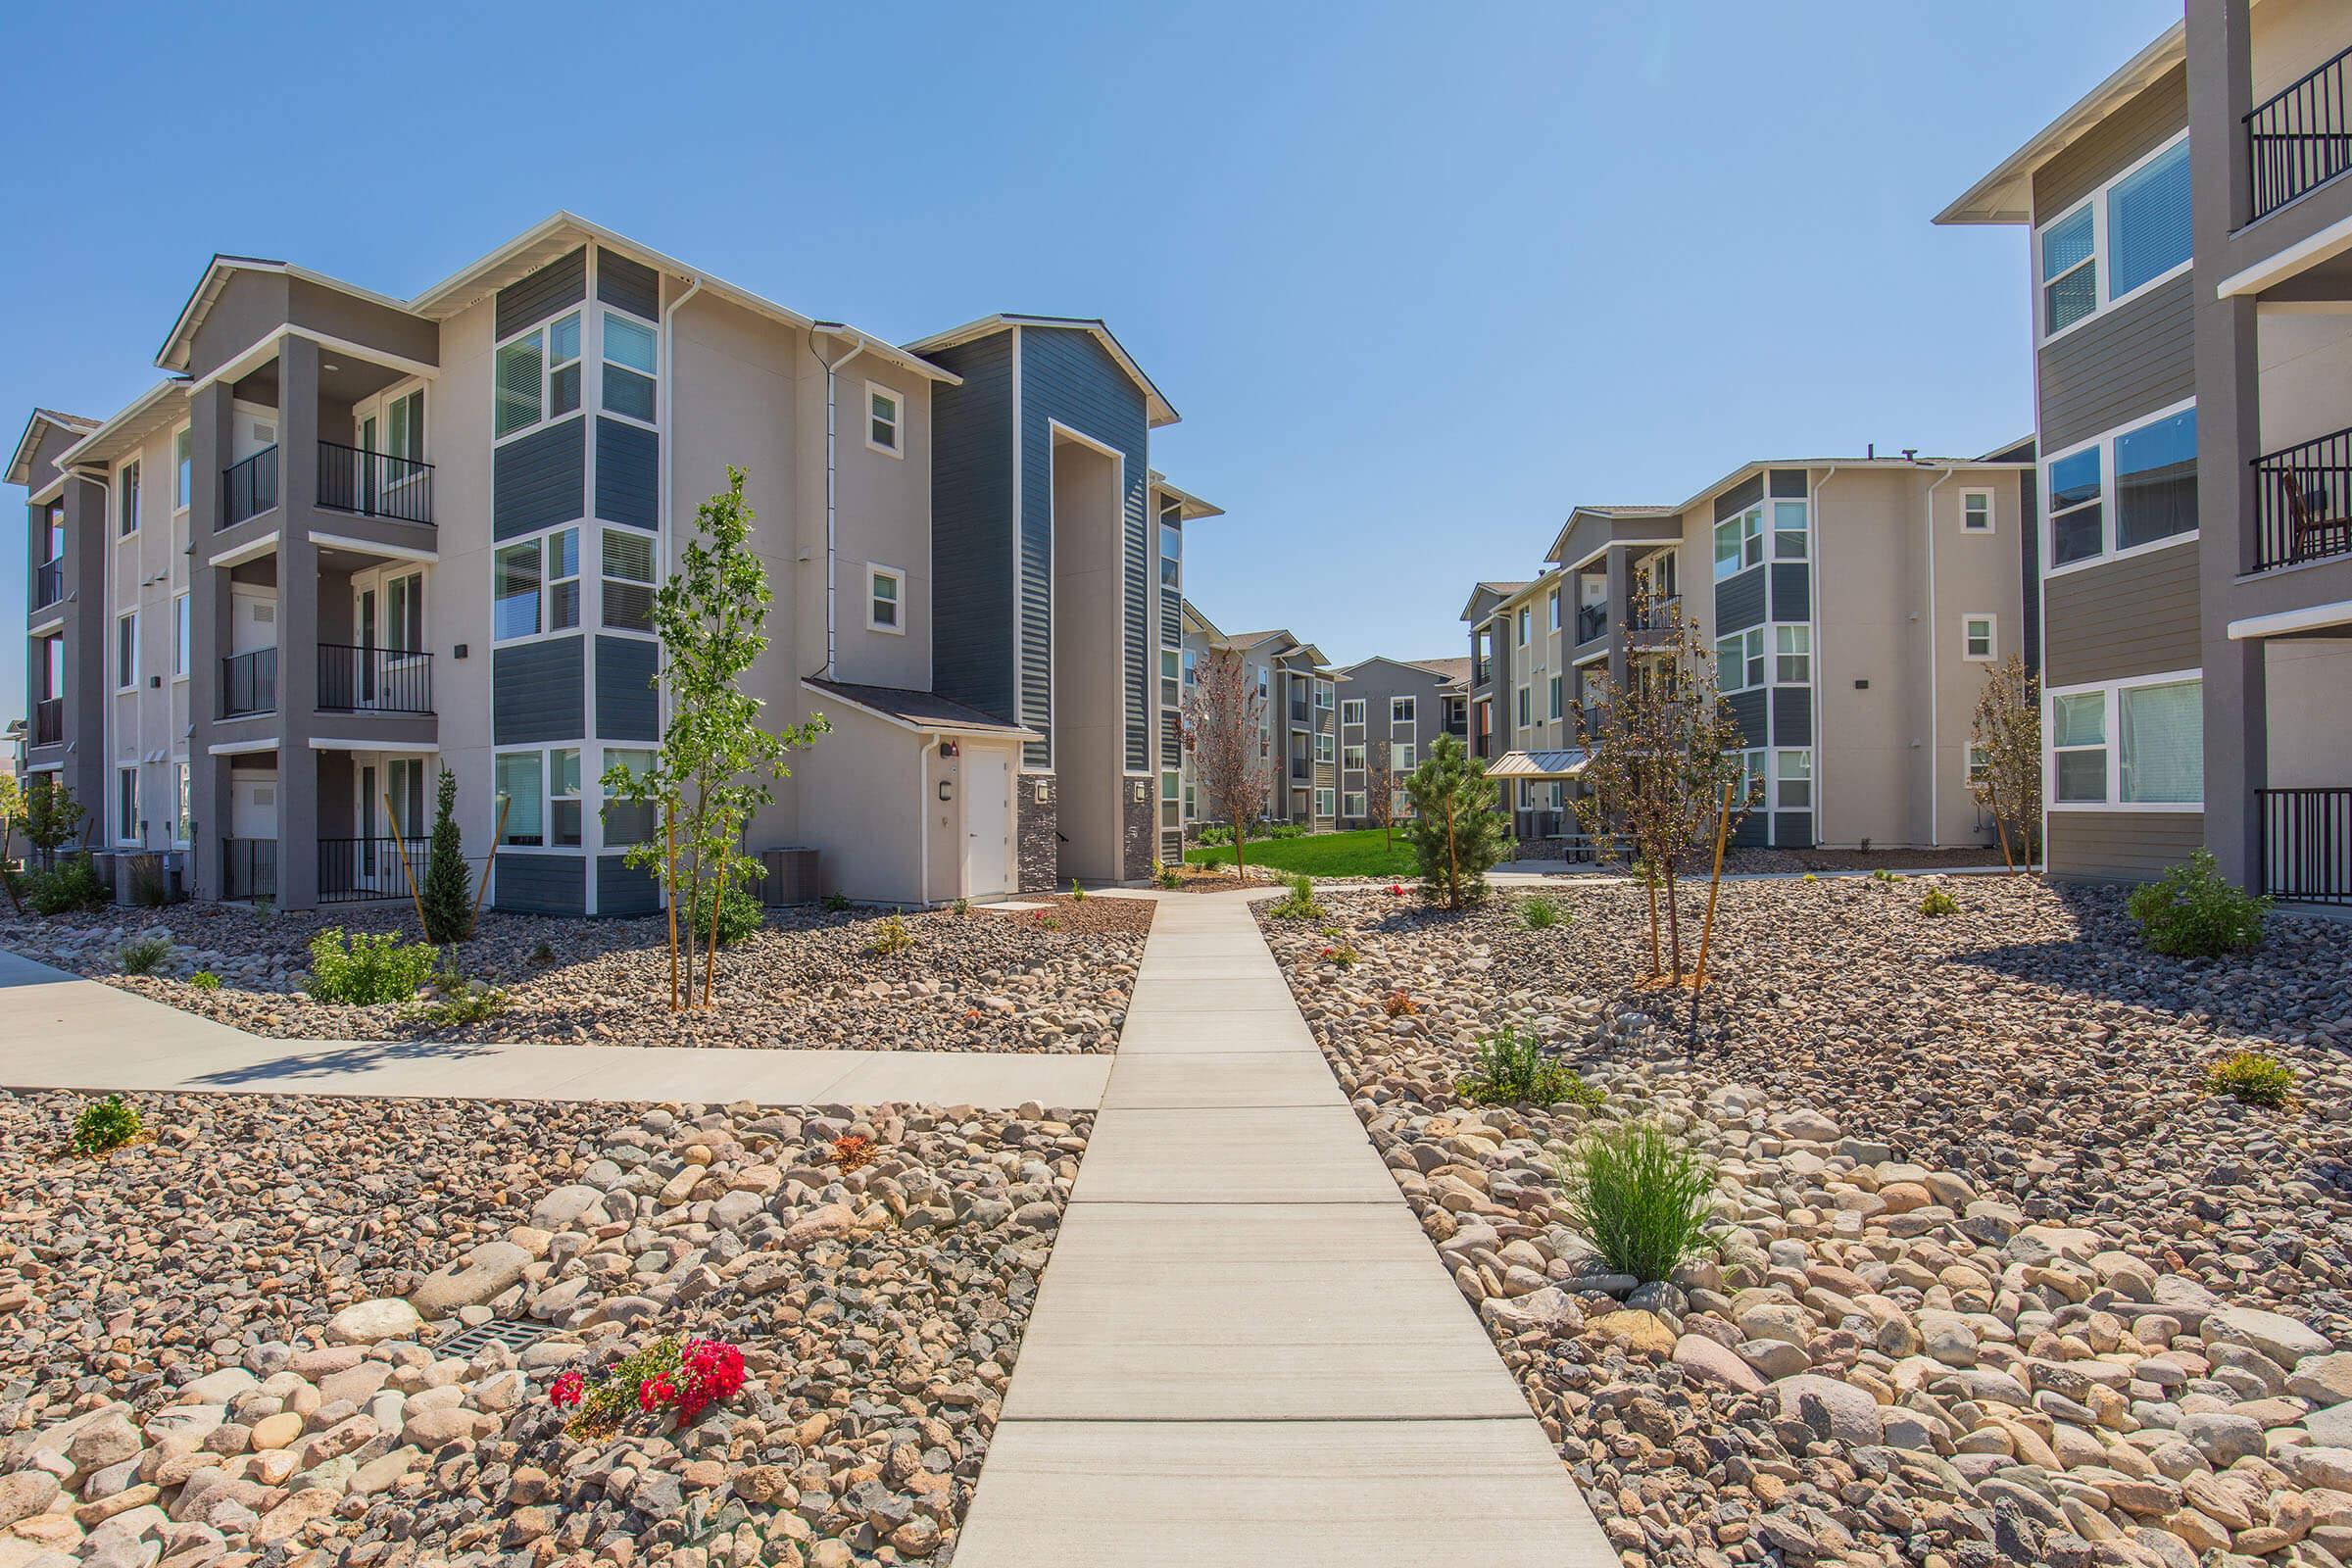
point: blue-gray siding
(1793, 830)
(1791, 591)
(537, 692)
(560, 282)
(626, 709)
(540, 884)
(1740, 602)
(628, 466)
(972, 526)
(622, 890)
(1739, 497)
(634, 287)
(538, 480)
(1748, 711)
(1792, 715)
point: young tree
(715, 766)
(1223, 720)
(2004, 772)
(1379, 787)
(1659, 758)
(12, 816)
(1458, 833)
(52, 818)
(446, 901)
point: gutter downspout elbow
(832, 486)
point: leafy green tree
(52, 816)
(446, 901)
(11, 818)
(1455, 829)
(715, 766)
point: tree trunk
(1674, 925)
(1651, 878)
(1240, 870)
(1453, 860)
(1992, 803)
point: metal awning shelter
(1540, 765)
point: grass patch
(1365, 851)
(1538, 914)
(1641, 1195)
(1511, 1069)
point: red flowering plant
(666, 1375)
(1396, 890)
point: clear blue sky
(1419, 279)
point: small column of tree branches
(1658, 761)
(2004, 766)
(1223, 719)
(715, 766)
(1380, 786)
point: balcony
(2306, 844)
(249, 869)
(1655, 616)
(49, 721)
(249, 488)
(362, 870)
(249, 683)
(375, 485)
(1590, 621)
(1300, 712)
(2303, 501)
(373, 680)
(1482, 672)
(2301, 138)
(48, 583)
(1302, 771)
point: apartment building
(1855, 605)
(349, 541)
(1394, 708)
(2191, 232)
(1298, 729)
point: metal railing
(1302, 771)
(1590, 621)
(1480, 671)
(249, 683)
(1656, 616)
(48, 583)
(49, 721)
(249, 869)
(357, 870)
(373, 680)
(249, 488)
(375, 485)
(2303, 501)
(2306, 844)
(2300, 138)
(1298, 712)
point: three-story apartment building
(1392, 709)
(1297, 725)
(352, 541)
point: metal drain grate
(503, 1330)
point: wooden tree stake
(407, 871)
(491, 858)
(1706, 930)
(670, 883)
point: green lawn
(1361, 853)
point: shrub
(1538, 914)
(1938, 904)
(2253, 1078)
(890, 938)
(1881, 874)
(71, 886)
(145, 955)
(366, 969)
(739, 917)
(1641, 1195)
(1209, 838)
(665, 1375)
(2194, 912)
(854, 1151)
(105, 1125)
(1397, 1005)
(1810, 877)
(1341, 956)
(1511, 1069)
(204, 980)
(147, 888)
(1298, 903)
(1165, 874)
(447, 896)
(542, 953)
(835, 902)
(962, 907)
(1077, 893)
(1456, 832)
(463, 1002)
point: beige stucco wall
(456, 587)
(144, 572)
(1088, 644)
(861, 791)
(2306, 386)
(2290, 37)
(2306, 680)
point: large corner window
(535, 586)
(1739, 542)
(2129, 744)
(1739, 660)
(629, 366)
(628, 822)
(2152, 500)
(535, 376)
(628, 579)
(2134, 229)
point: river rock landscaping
(288, 1384)
(1055, 978)
(1998, 1280)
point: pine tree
(1455, 830)
(447, 898)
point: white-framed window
(627, 822)
(627, 556)
(1792, 531)
(1192, 668)
(1402, 710)
(1980, 762)
(1191, 802)
(535, 376)
(885, 420)
(1979, 638)
(1265, 681)
(1325, 694)
(183, 467)
(179, 637)
(126, 650)
(1792, 655)
(1403, 756)
(542, 783)
(1352, 756)
(1756, 783)
(1554, 600)
(1976, 511)
(1526, 709)
(126, 806)
(1739, 660)
(1401, 804)
(1526, 625)
(1353, 805)
(1557, 709)
(1171, 678)
(2136, 744)
(1739, 542)
(886, 600)
(1171, 556)
(126, 500)
(535, 585)
(1793, 780)
(2150, 503)
(181, 815)
(632, 360)
(1323, 748)
(1171, 800)
(2128, 237)
(1323, 802)
(1351, 712)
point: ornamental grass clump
(665, 1378)
(2193, 912)
(1511, 1069)
(1298, 903)
(1538, 914)
(2252, 1078)
(365, 969)
(145, 955)
(890, 938)
(1938, 904)
(204, 980)
(1641, 1195)
(105, 1125)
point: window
(1351, 712)
(181, 815)
(630, 363)
(1403, 756)
(1789, 530)
(563, 797)
(2079, 739)
(2136, 227)
(184, 468)
(1352, 756)
(2154, 499)
(403, 430)
(1525, 716)
(1171, 680)
(1976, 638)
(1171, 557)
(126, 650)
(1555, 698)
(627, 821)
(884, 415)
(1739, 660)
(1976, 511)
(535, 586)
(1400, 805)
(1739, 542)
(1793, 654)
(1353, 805)
(1793, 781)
(1324, 695)
(2070, 269)
(1554, 612)
(1402, 710)
(1980, 762)
(1191, 667)
(127, 505)
(2138, 743)
(884, 590)
(1752, 781)
(126, 806)
(1171, 797)
(1323, 803)
(1323, 748)
(519, 781)
(1264, 683)
(536, 377)
(1189, 812)
(179, 635)
(1523, 625)
(628, 583)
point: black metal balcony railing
(2300, 138)
(375, 485)
(2306, 844)
(1657, 615)
(1481, 669)
(249, 488)
(356, 870)
(49, 721)
(249, 869)
(373, 680)
(2303, 501)
(249, 683)
(48, 583)
(1590, 621)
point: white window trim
(137, 805)
(1354, 804)
(1992, 638)
(182, 781)
(547, 370)
(2100, 255)
(874, 571)
(591, 797)
(2108, 521)
(1773, 655)
(2112, 691)
(1991, 519)
(179, 508)
(540, 537)
(1772, 787)
(122, 494)
(1355, 705)
(1326, 801)
(1968, 767)
(127, 676)
(1773, 530)
(1409, 714)
(898, 423)
(602, 361)
(652, 585)
(183, 615)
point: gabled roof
(174, 354)
(927, 711)
(20, 466)
(1493, 592)
(1157, 409)
(1194, 620)
(1448, 671)
(134, 421)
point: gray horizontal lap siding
(1792, 715)
(2135, 616)
(1749, 710)
(2127, 362)
(2122, 845)
(538, 481)
(627, 707)
(628, 459)
(972, 526)
(561, 283)
(537, 692)
(1793, 830)
(624, 890)
(2120, 140)
(1739, 497)
(634, 287)
(541, 884)
(1740, 602)
(1791, 591)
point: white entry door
(987, 823)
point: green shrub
(1077, 893)
(1209, 838)
(2252, 1077)
(104, 1125)
(147, 888)
(1298, 903)
(1538, 914)
(366, 968)
(445, 897)
(962, 907)
(1341, 956)
(1285, 830)
(890, 938)
(1881, 874)
(1810, 877)
(204, 980)
(739, 917)
(1511, 1069)
(833, 902)
(2193, 911)
(145, 955)
(1166, 876)
(66, 887)
(1938, 904)
(1641, 1195)
(463, 1002)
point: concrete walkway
(58, 1031)
(1244, 1352)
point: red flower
(655, 1391)
(1396, 890)
(568, 1391)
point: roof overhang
(19, 465)
(1156, 408)
(174, 354)
(1194, 620)
(922, 726)
(156, 406)
(1189, 506)
(2288, 623)
(1494, 593)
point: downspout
(832, 490)
(1821, 708)
(1934, 630)
(922, 821)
